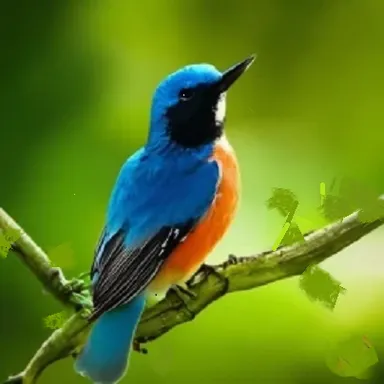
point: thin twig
(39, 264)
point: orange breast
(189, 255)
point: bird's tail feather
(104, 358)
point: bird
(172, 202)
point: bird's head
(188, 107)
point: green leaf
(293, 235)
(371, 211)
(363, 198)
(335, 208)
(320, 286)
(12, 235)
(5, 246)
(366, 375)
(353, 196)
(352, 358)
(284, 200)
(56, 320)
(7, 238)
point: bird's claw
(137, 348)
(76, 285)
(181, 292)
(80, 301)
(185, 290)
(207, 270)
(84, 275)
(232, 259)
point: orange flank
(190, 254)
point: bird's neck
(180, 159)
(162, 145)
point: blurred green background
(76, 86)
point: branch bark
(208, 285)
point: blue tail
(104, 358)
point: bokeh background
(75, 92)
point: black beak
(233, 73)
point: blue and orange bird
(172, 202)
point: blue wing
(155, 204)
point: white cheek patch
(224, 143)
(220, 108)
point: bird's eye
(186, 94)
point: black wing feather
(112, 249)
(124, 273)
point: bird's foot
(208, 270)
(84, 275)
(76, 285)
(138, 348)
(82, 282)
(232, 259)
(185, 290)
(181, 292)
(80, 301)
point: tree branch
(209, 284)
(39, 264)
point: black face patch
(192, 121)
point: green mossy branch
(209, 284)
